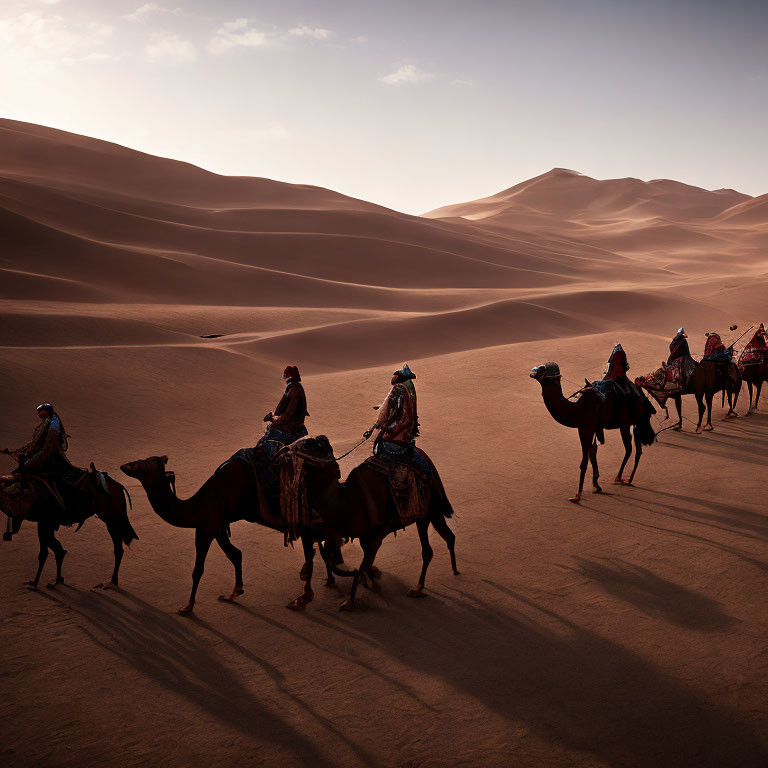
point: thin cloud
(91, 58)
(142, 13)
(462, 83)
(408, 74)
(317, 33)
(238, 34)
(42, 39)
(170, 48)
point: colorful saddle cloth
(413, 479)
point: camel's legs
(586, 437)
(638, 454)
(626, 438)
(117, 548)
(42, 556)
(422, 526)
(308, 543)
(595, 472)
(235, 556)
(708, 427)
(330, 579)
(702, 408)
(441, 526)
(679, 405)
(757, 398)
(370, 547)
(8, 533)
(58, 553)
(203, 541)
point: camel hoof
(575, 500)
(597, 489)
(107, 585)
(54, 584)
(456, 573)
(31, 585)
(330, 582)
(709, 428)
(374, 572)
(186, 609)
(347, 605)
(417, 591)
(301, 601)
(618, 481)
(236, 592)
(7, 536)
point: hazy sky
(409, 103)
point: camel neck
(181, 513)
(562, 410)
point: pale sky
(412, 104)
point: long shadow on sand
(176, 658)
(575, 688)
(654, 595)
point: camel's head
(146, 469)
(547, 371)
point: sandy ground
(627, 631)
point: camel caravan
(291, 482)
(616, 402)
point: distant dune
(156, 304)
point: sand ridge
(628, 631)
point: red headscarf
(292, 372)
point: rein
(353, 448)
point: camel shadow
(731, 448)
(573, 687)
(727, 548)
(731, 517)
(175, 657)
(654, 595)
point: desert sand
(627, 631)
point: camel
(48, 512)
(590, 415)
(232, 493)
(754, 374)
(707, 379)
(363, 508)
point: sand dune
(156, 305)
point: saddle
(620, 389)
(68, 489)
(268, 485)
(411, 489)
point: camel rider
(46, 452)
(756, 350)
(398, 423)
(715, 350)
(678, 347)
(286, 423)
(616, 372)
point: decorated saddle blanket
(413, 479)
(268, 486)
(617, 388)
(752, 356)
(68, 491)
